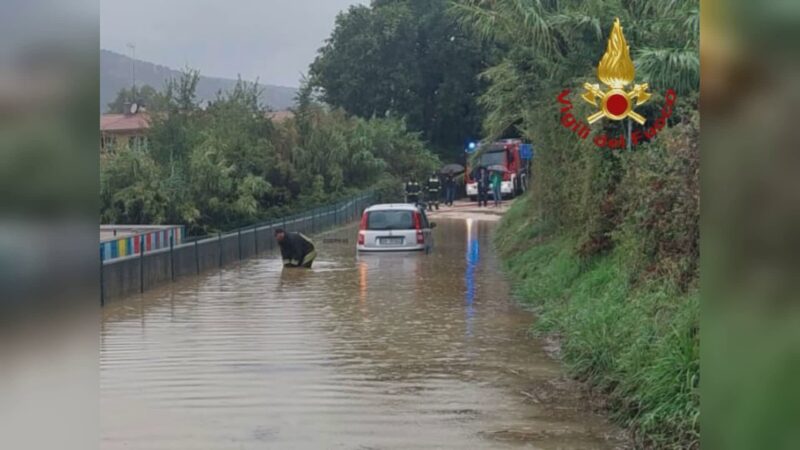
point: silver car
(395, 227)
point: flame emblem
(616, 71)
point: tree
(146, 96)
(228, 165)
(407, 59)
(131, 190)
(553, 44)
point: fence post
(171, 257)
(255, 237)
(239, 237)
(219, 244)
(141, 264)
(197, 256)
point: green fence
(136, 273)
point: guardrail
(139, 272)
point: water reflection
(473, 258)
(363, 270)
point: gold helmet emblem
(616, 71)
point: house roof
(124, 122)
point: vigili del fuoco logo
(616, 71)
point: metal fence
(136, 273)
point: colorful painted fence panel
(131, 244)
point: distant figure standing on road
(497, 183)
(434, 184)
(297, 250)
(412, 191)
(483, 186)
(449, 189)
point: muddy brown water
(389, 351)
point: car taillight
(362, 228)
(418, 226)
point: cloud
(273, 40)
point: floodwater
(389, 351)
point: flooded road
(387, 351)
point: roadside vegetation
(605, 246)
(228, 165)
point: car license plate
(391, 241)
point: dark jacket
(412, 187)
(434, 184)
(295, 247)
(482, 178)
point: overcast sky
(273, 40)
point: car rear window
(390, 220)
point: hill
(115, 74)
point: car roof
(392, 207)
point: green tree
(406, 59)
(131, 189)
(146, 96)
(228, 165)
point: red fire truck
(504, 153)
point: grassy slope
(637, 343)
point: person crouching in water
(297, 250)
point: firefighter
(297, 250)
(413, 191)
(433, 191)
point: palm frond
(570, 22)
(664, 68)
(507, 21)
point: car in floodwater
(395, 227)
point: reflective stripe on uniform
(309, 257)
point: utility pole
(132, 47)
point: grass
(638, 344)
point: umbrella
(497, 168)
(452, 169)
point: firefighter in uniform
(297, 250)
(434, 185)
(413, 191)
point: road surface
(388, 351)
